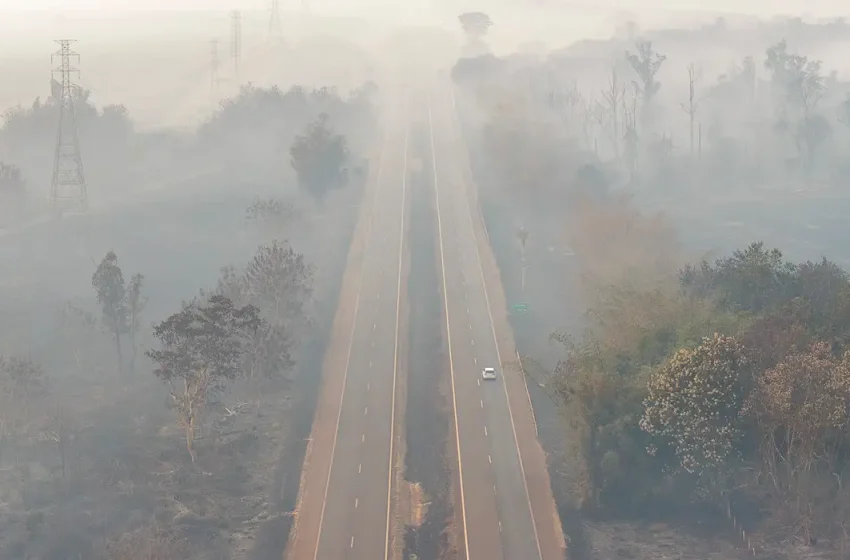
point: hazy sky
(815, 8)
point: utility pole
(236, 42)
(68, 187)
(275, 31)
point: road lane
(481, 528)
(549, 532)
(516, 515)
(345, 507)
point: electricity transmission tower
(215, 64)
(275, 31)
(68, 187)
(305, 7)
(236, 42)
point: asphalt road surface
(496, 506)
(345, 508)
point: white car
(488, 373)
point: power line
(68, 187)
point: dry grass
(151, 542)
(616, 244)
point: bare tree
(202, 348)
(646, 63)
(609, 111)
(631, 140)
(694, 75)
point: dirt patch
(413, 504)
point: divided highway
(503, 501)
(345, 505)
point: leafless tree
(694, 75)
(609, 111)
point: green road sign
(519, 307)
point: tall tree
(202, 348)
(646, 63)
(108, 282)
(319, 157)
(280, 282)
(136, 303)
(798, 86)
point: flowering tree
(694, 403)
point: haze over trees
(253, 130)
(175, 459)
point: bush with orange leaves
(802, 408)
(618, 245)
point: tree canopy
(319, 157)
(202, 347)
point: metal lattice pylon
(236, 42)
(68, 187)
(275, 31)
(215, 64)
